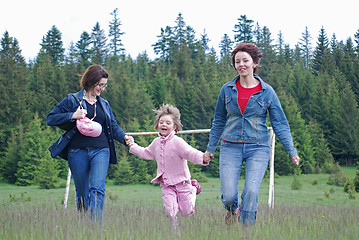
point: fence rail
(179, 132)
(271, 161)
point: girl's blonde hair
(168, 109)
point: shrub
(315, 182)
(24, 198)
(346, 185)
(200, 177)
(297, 183)
(356, 181)
(351, 192)
(337, 177)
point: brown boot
(232, 216)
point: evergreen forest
(317, 84)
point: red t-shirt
(245, 93)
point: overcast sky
(30, 20)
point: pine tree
(99, 49)
(305, 44)
(52, 45)
(244, 29)
(35, 149)
(356, 40)
(83, 49)
(9, 163)
(179, 31)
(266, 47)
(349, 66)
(182, 62)
(115, 35)
(158, 89)
(47, 83)
(280, 48)
(204, 41)
(345, 140)
(163, 45)
(226, 46)
(123, 173)
(14, 79)
(72, 70)
(323, 157)
(323, 61)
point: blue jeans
(89, 169)
(231, 158)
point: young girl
(171, 154)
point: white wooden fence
(271, 161)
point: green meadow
(318, 211)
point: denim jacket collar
(263, 84)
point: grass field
(135, 212)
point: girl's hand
(207, 156)
(80, 113)
(129, 140)
(296, 160)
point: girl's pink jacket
(171, 154)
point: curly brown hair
(168, 109)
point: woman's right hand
(80, 113)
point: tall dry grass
(142, 221)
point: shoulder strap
(77, 100)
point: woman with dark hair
(240, 122)
(88, 155)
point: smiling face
(244, 64)
(166, 125)
(99, 87)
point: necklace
(87, 98)
(94, 112)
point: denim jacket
(61, 116)
(250, 127)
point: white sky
(30, 20)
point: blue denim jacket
(61, 116)
(250, 127)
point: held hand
(129, 140)
(296, 160)
(207, 156)
(210, 155)
(80, 113)
(206, 159)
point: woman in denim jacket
(240, 122)
(88, 157)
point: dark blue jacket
(61, 116)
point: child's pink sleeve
(189, 153)
(147, 153)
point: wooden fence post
(271, 168)
(67, 188)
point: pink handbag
(87, 126)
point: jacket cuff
(293, 153)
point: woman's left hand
(129, 140)
(296, 160)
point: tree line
(317, 86)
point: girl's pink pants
(179, 198)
